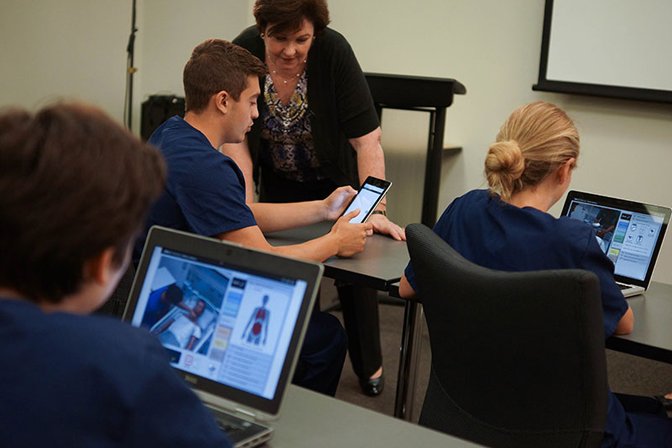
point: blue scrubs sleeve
(614, 304)
(213, 201)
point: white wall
(78, 48)
(493, 48)
(171, 29)
(73, 49)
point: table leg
(409, 352)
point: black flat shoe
(373, 387)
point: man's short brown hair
(72, 184)
(217, 65)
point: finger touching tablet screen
(367, 198)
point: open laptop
(630, 234)
(234, 328)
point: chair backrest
(517, 357)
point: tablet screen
(367, 198)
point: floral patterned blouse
(286, 134)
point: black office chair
(116, 304)
(517, 357)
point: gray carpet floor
(627, 374)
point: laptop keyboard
(229, 423)
(622, 286)
(229, 427)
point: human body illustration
(258, 324)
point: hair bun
(506, 159)
(504, 166)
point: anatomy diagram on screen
(258, 324)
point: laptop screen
(229, 317)
(629, 233)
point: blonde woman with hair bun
(537, 139)
(507, 227)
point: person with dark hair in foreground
(74, 189)
(205, 191)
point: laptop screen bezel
(631, 206)
(245, 259)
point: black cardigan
(339, 103)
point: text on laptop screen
(219, 323)
(628, 238)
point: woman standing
(317, 130)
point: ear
(565, 171)
(222, 101)
(99, 269)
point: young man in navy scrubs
(205, 190)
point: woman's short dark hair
(286, 16)
(73, 183)
(216, 65)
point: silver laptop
(232, 320)
(630, 234)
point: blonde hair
(534, 141)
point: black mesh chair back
(518, 358)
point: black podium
(427, 94)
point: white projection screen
(612, 48)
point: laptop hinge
(245, 413)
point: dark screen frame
(601, 90)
